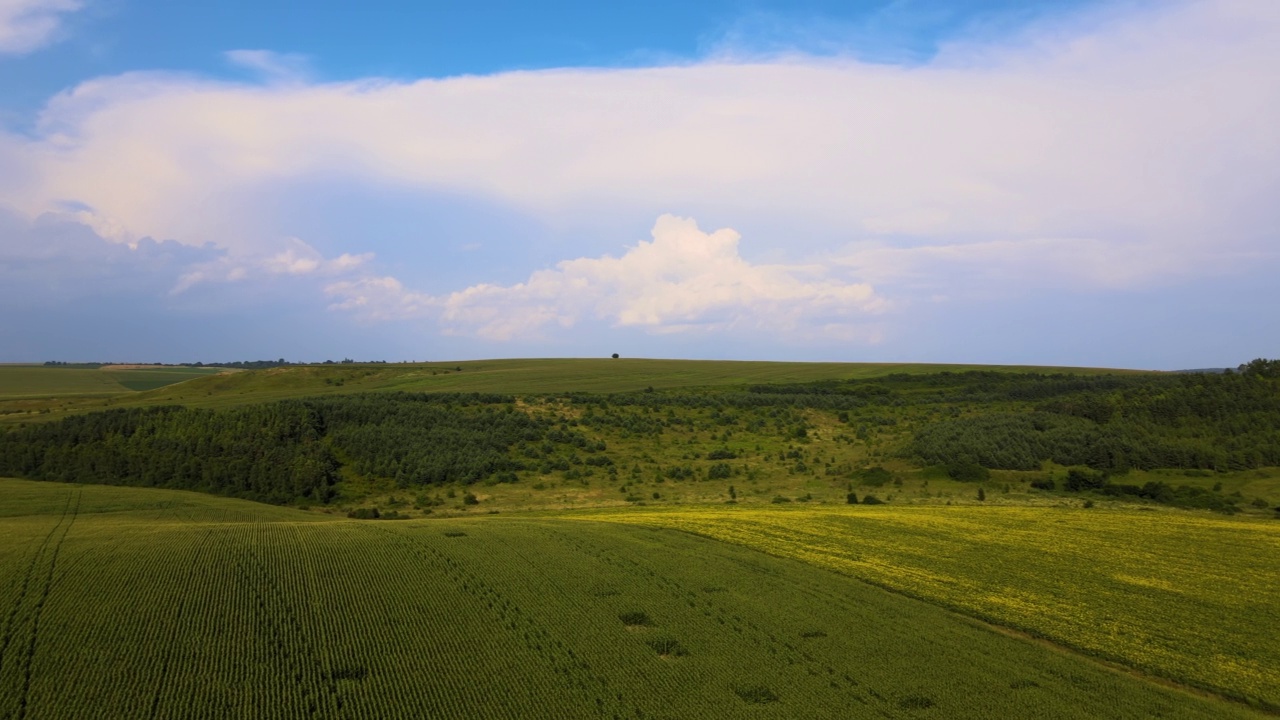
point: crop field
(127, 602)
(36, 381)
(1189, 597)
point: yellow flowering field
(1191, 597)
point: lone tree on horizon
(615, 356)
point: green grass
(122, 602)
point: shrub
(967, 471)
(722, 454)
(756, 694)
(364, 514)
(1044, 484)
(851, 499)
(470, 499)
(1080, 480)
(634, 618)
(872, 500)
(874, 476)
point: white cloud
(683, 279)
(274, 66)
(299, 258)
(27, 25)
(1132, 147)
(1155, 125)
(292, 257)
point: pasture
(126, 602)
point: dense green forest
(286, 451)
(969, 422)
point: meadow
(134, 602)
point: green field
(1189, 597)
(38, 392)
(19, 382)
(125, 602)
(641, 539)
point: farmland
(37, 392)
(132, 602)
(1188, 597)
(685, 539)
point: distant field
(1192, 597)
(123, 602)
(26, 390)
(38, 381)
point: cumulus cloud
(27, 25)
(1154, 125)
(682, 279)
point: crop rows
(1185, 596)
(169, 611)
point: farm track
(21, 684)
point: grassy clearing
(1189, 596)
(121, 602)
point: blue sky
(1086, 183)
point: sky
(1088, 183)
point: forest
(299, 450)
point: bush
(634, 618)
(1081, 480)
(872, 500)
(1045, 484)
(851, 499)
(874, 476)
(364, 514)
(756, 694)
(722, 454)
(470, 499)
(719, 471)
(968, 471)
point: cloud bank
(1129, 148)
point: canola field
(143, 603)
(1192, 597)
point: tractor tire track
(10, 622)
(39, 607)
